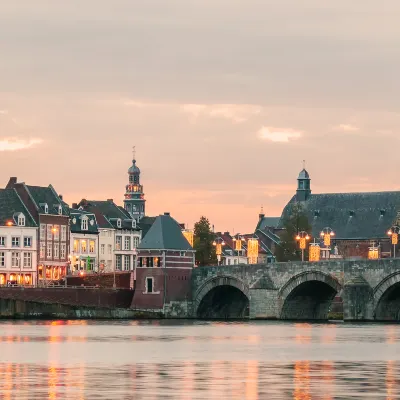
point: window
(127, 263)
(118, 242)
(149, 285)
(42, 231)
(2, 259)
(102, 248)
(91, 246)
(21, 220)
(59, 209)
(49, 250)
(46, 208)
(2, 241)
(127, 243)
(56, 231)
(109, 249)
(14, 259)
(118, 261)
(63, 233)
(49, 232)
(15, 241)
(76, 246)
(118, 223)
(63, 251)
(27, 241)
(134, 223)
(42, 249)
(84, 225)
(27, 260)
(56, 250)
(83, 246)
(135, 242)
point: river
(198, 360)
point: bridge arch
(222, 297)
(387, 298)
(308, 296)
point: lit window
(21, 220)
(27, 241)
(56, 232)
(49, 232)
(15, 241)
(76, 246)
(149, 285)
(27, 260)
(14, 259)
(83, 246)
(84, 226)
(91, 246)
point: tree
(203, 243)
(294, 221)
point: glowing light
(9, 223)
(218, 249)
(252, 251)
(395, 238)
(373, 253)
(327, 240)
(189, 236)
(238, 245)
(297, 237)
(315, 252)
(303, 243)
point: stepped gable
(165, 234)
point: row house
(18, 241)
(119, 234)
(51, 216)
(84, 239)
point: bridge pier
(263, 304)
(358, 300)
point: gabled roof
(11, 205)
(267, 222)
(46, 195)
(76, 221)
(165, 234)
(350, 215)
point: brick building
(50, 215)
(164, 266)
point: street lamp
(218, 243)
(326, 236)
(302, 237)
(393, 232)
(237, 240)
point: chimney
(75, 206)
(167, 213)
(227, 233)
(60, 196)
(110, 200)
(11, 182)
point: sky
(223, 99)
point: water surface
(198, 360)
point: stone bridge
(370, 290)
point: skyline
(222, 114)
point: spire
(303, 184)
(134, 153)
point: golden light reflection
(391, 334)
(303, 333)
(302, 381)
(391, 381)
(252, 380)
(189, 374)
(52, 382)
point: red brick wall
(122, 280)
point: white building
(119, 235)
(18, 241)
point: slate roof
(76, 218)
(10, 205)
(268, 222)
(165, 234)
(145, 224)
(350, 215)
(46, 195)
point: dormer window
(351, 213)
(383, 212)
(316, 213)
(46, 208)
(21, 220)
(84, 223)
(134, 223)
(59, 209)
(118, 223)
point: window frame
(85, 223)
(15, 255)
(17, 239)
(2, 259)
(3, 241)
(149, 279)
(30, 241)
(27, 257)
(21, 220)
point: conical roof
(134, 169)
(165, 234)
(303, 174)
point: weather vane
(134, 152)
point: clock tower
(134, 201)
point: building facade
(134, 202)
(119, 234)
(18, 241)
(51, 216)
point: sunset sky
(222, 98)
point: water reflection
(87, 360)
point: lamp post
(326, 235)
(252, 250)
(302, 237)
(218, 243)
(393, 232)
(238, 240)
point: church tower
(303, 185)
(134, 201)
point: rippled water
(198, 360)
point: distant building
(119, 234)
(134, 202)
(50, 214)
(358, 220)
(164, 266)
(18, 241)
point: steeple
(134, 201)
(303, 184)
